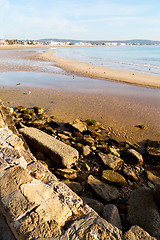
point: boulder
(134, 157)
(143, 211)
(111, 161)
(104, 190)
(111, 214)
(88, 140)
(113, 177)
(136, 233)
(54, 149)
(95, 204)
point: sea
(142, 59)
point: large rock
(111, 161)
(113, 177)
(143, 211)
(75, 186)
(136, 233)
(56, 150)
(111, 214)
(157, 193)
(104, 190)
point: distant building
(2, 42)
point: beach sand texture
(99, 72)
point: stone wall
(34, 204)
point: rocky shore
(119, 180)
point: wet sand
(98, 72)
(119, 115)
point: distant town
(67, 42)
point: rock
(92, 123)
(78, 125)
(67, 173)
(152, 177)
(111, 161)
(141, 126)
(105, 191)
(56, 150)
(54, 124)
(88, 140)
(153, 148)
(49, 205)
(75, 186)
(157, 193)
(63, 136)
(38, 110)
(91, 227)
(21, 109)
(113, 177)
(38, 123)
(115, 152)
(95, 204)
(130, 173)
(134, 156)
(136, 233)
(143, 211)
(111, 214)
(86, 150)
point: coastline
(98, 72)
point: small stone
(134, 156)
(88, 140)
(95, 204)
(78, 125)
(86, 150)
(136, 233)
(115, 152)
(67, 173)
(130, 173)
(92, 123)
(113, 177)
(152, 177)
(38, 110)
(111, 161)
(74, 186)
(111, 214)
(105, 191)
(153, 148)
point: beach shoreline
(98, 72)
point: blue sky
(80, 19)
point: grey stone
(94, 204)
(111, 161)
(111, 214)
(136, 233)
(104, 190)
(143, 211)
(134, 156)
(56, 150)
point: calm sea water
(143, 59)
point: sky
(80, 19)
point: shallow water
(78, 85)
(143, 59)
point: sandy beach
(119, 114)
(85, 69)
